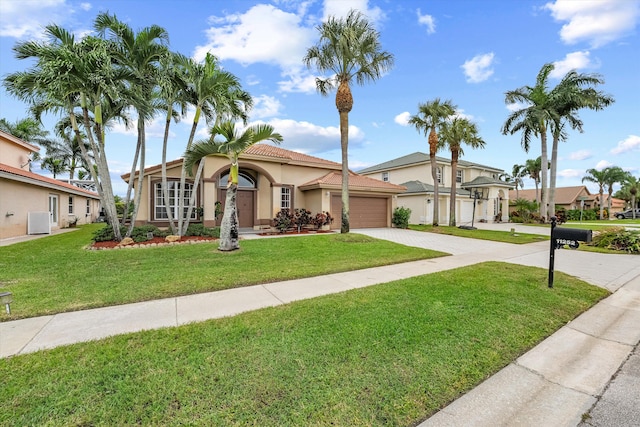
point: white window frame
(385, 176)
(88, 211)
(439, 174)
(459, 176)
(70, 205)
(160, 213)
(285, 197)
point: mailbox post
(564, 236)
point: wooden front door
(245, 204)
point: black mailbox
(570, 236)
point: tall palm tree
(533, 168)
(613, 175)
(632, 186)
(454, 133)
(68, 74)
(431, 115)
(233, 144)
(600, 178)
(54, 165)
(140, 54)
(218, 95)
(350, 49)
(574, 92)
(534, 119)
(517, 173)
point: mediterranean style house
(35, 204)
(270, 179)
(576, 197)
(473, 180)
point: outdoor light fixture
(6, 298)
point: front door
(245, 206)
(53, 209)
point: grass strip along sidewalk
(55, 274)
(493, 235)
(390, 354)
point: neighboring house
(569, 198)
(35, 204)
(414, 172)
(271, 179)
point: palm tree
(533, 120)
(350, 49)
(600, 178)
(574, 92)
(140, 54)
(453, 133)
(517, 173)
(218, 95)
(89, 81)
(431, 115)
(632, 186)
(233, 145)
(533, 168)
(54, 165)
(613, 175)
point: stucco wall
(14, 155)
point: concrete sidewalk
(555, 383)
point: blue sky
(468, 51)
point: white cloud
(461, 115)
(580, 155)
(264, 33)
(427, 20)
(570, 173)
(341, 8)
(402, 119)
(298, 81)
(597, 22)
(85, 6)
(603, 164)
(265, 106)
(478, 68)
(516, 106)
(572, 61)
(26, 19)
(630, 144)
(309, 138)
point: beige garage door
(364, 212)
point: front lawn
(493, 235)
(56, 274)
(391, 354)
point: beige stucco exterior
(311, 182)
(23, 192)
(416, 167)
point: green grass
(493, 235)
(387, 355)
(56, 274)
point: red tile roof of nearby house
(564, 195)
(18, 141)
(356, 182)
(45, 180)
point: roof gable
(419, 158)
(356, 182)
(16, 174)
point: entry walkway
(555, 383)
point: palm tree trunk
(229, 225)
(183, 174)
(138, 190)
(452, 198)
(165, 189)
(344, 142)
(552, 180)
(601, 204)
(433, 148)
(127, 198)
(544, 208)
(193, 198)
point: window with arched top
(245, 180)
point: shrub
(139, 234)
(322, 219)
(301, 218)
(283, 220)
(618, 239)
(400, 217)
(201, 230)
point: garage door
(364, 212)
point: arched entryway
(246, 196)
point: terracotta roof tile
(356, 182)
(26, 174)
(281, 153)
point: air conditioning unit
(38, 223)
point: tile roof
(419, 157)
(44, 180)
(422, 187)
(564, 195)
(356, 182)
(486, 181)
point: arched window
(244, 180)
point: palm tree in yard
(613, 175)
(534, 119)
(431, 115)
(350, 49)
(233, 144)
(68, 75)
(574, 92)
(140, 54)
(632, 186)
(454, 133)
(600, 178)
(533, 168)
